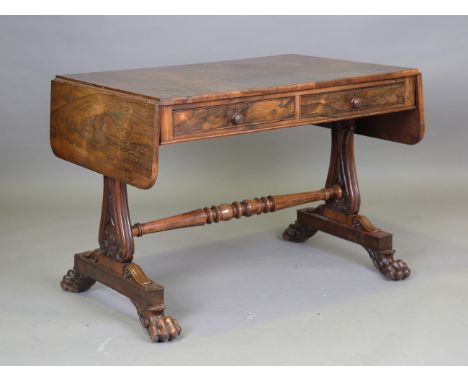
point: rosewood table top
(237, 78)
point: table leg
(112, 265)
(339, 217)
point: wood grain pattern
(114, 135)
(335, 103)
(184, 84)
(403, 127)
(181, 94)
(219, 117)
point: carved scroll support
(112, 265)
(225, 212)
(115, 233)
(342, 168)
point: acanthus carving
(110, 240)
(342, 169)
(74, 281)
(115, 233)
(298, 233)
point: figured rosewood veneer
(210, 118)
(114, 122)
(387, 95)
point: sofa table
(114, 123)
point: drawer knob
(356, 102)
(237, 118)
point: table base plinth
(351, 227)
(129, 280)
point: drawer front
(383, 97)
(201, 119)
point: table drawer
(202, 119)
(380, 97)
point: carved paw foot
(297, 233)
(392, 269)
(74, 281)
(161, 328)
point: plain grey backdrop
(242, 295)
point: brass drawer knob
(237, 118)
(356, 102)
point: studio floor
(242, 295)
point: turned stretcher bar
(225, 212)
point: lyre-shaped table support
(339, 217)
